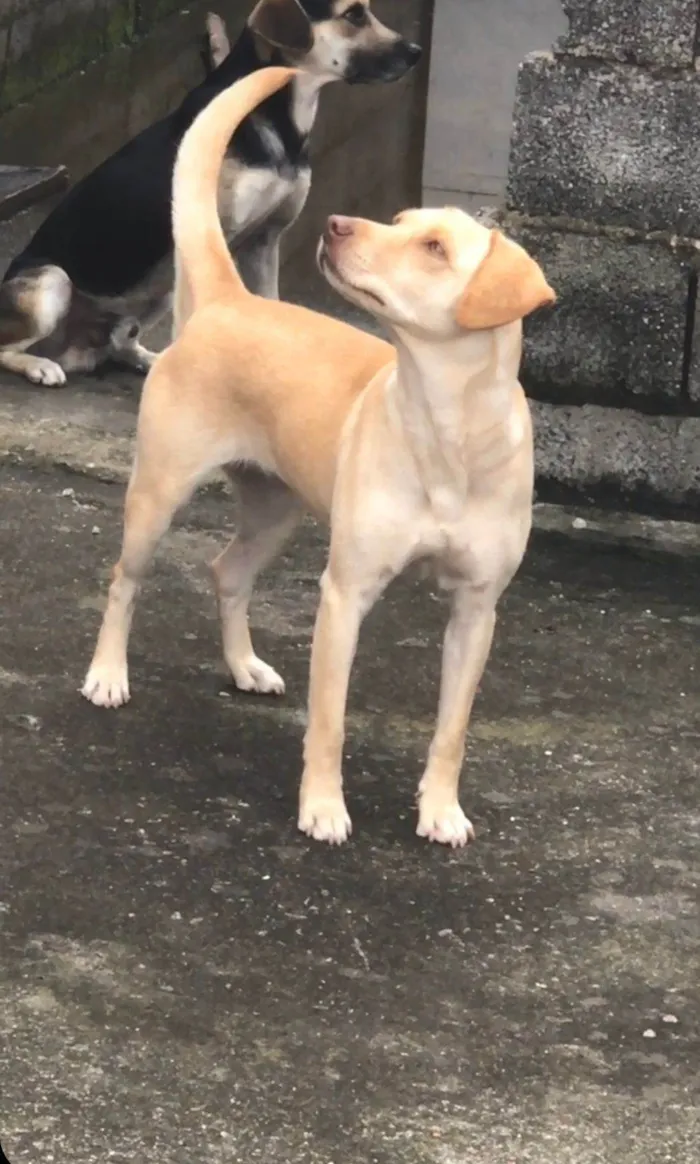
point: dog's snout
(338, 226)
(388, 62)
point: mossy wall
(42, 41)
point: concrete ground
(185, 977)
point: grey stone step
(24, 186)
(615, 455)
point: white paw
(443, 821)
(43, 371)
(254, 675)
(140, 359)
(325, 818)
(107, 686)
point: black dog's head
(334, 40)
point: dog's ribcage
(248, 197)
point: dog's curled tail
(203, 264)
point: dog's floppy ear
(282, 23)
(217, 39)
(507, 285)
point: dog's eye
(356, 15)
(435, 247)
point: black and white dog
(100, 268)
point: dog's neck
(306, 86)
(456, 397)
(306, 89)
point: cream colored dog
(418, 451)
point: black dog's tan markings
(99, 269)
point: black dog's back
(113, 226)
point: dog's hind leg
(150, 507)
(183, 300)
(32, 304)
(267, 516)
(163, 480)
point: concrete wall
(477, 47)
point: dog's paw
(325, 818)
(254, 675)
(142, 360)
(47, 372)
(442, 820)
(106, 686)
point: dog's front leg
(322, 811)
(466, 648)
(258, 256)
(258, 260)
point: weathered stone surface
(49, 39)
(610, 145)
(4, 41)
(617, 332)
(23, 186)
(153, 11)
(612, 453)
(643, 31)
(694, 368)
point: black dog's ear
(215, 47)
(282, 23)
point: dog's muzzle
(383, 64)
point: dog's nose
(413, 52)
(338, 226)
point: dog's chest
(250, 196)
(469, 540)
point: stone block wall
(643, 32)
(604, 188)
